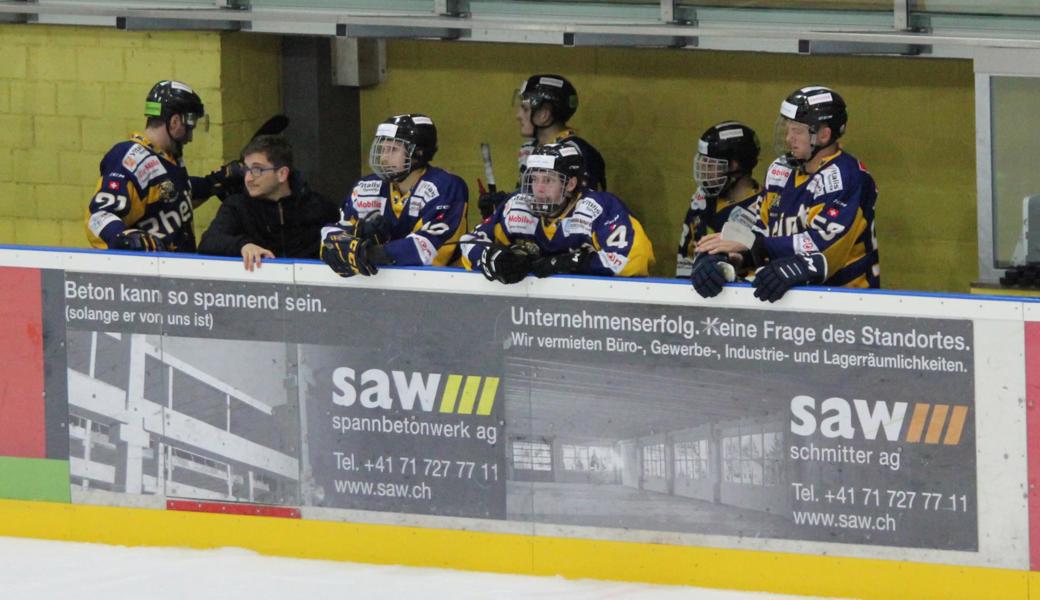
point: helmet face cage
(390, 158)
(544, 190)
(711, 174)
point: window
(653, 460)
(587, 458)
(532, 456)
(752, 458)
(691, 459)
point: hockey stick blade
(274, 126)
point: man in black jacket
(278, 216)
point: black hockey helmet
(169, 97)
(817, 106)
(562, 160)
(552, 90)
(814, 106)
(725, 153)
(419, 135)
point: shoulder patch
(134, 156)
(367, 204)
(589, 207)
(368, 188)
(832, 179)
(150, 169)
(576, 225)
(777, 175)
(517, 219)
(426, 190)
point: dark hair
(154, 122)
(275, 147)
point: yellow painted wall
(911, 121)
(67, 94)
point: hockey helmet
(816, 107)
(553, 91)
(168, 98)
(549, 170)
(402, 144)
(725, 153)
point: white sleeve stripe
(424, 247)
(99, 220)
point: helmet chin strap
(176, 146)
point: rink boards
(843, 444)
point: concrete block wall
(67, 94)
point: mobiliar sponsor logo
(840, 418)
(376, 388)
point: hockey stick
(489, 171)
(273, 126)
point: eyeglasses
(258, 171)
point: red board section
(22, 431)
(1033, 439)
(233, 508)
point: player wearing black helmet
(727, 153)
(406, 212)
(145, 198)
(816, 219)
(556, 225)
(544, 104)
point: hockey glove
(227, 180)
(136, 240)
(709, 273)
(507, 264)
(373, 228)
(489, 201)
(347, 255)
(568, 263)
(773, 280)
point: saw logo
(840, 418)
(452, 394)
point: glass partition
(1015, 177)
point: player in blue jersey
(816, 220)
(727, 154)
(145, 198)
(544, 104)
(407, 212)
(556, 225)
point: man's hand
(562, 264)
(136, 240)
(373, 228)
(489, 201)
(507, 264)
(347, 255)
(252, 255)
(710, 272)
(773, 280)
(713, 243)
(227, 180)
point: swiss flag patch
(832, 212)
(113, 185)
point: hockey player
(544, 105)
(556, 225)
(145, 198)
(816, 221)
(727, 154)
(406, 212)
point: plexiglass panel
(1015, 148)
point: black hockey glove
(227, 180)
(709, 272)
(348, 255)
(773, 280)
(489, 201)
(568, 263)
(373, 228)
(136, 240)
(507, 264)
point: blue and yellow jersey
(831, 212)
(144, 188)
(707, 215)
(597, 220)
(419, 222)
